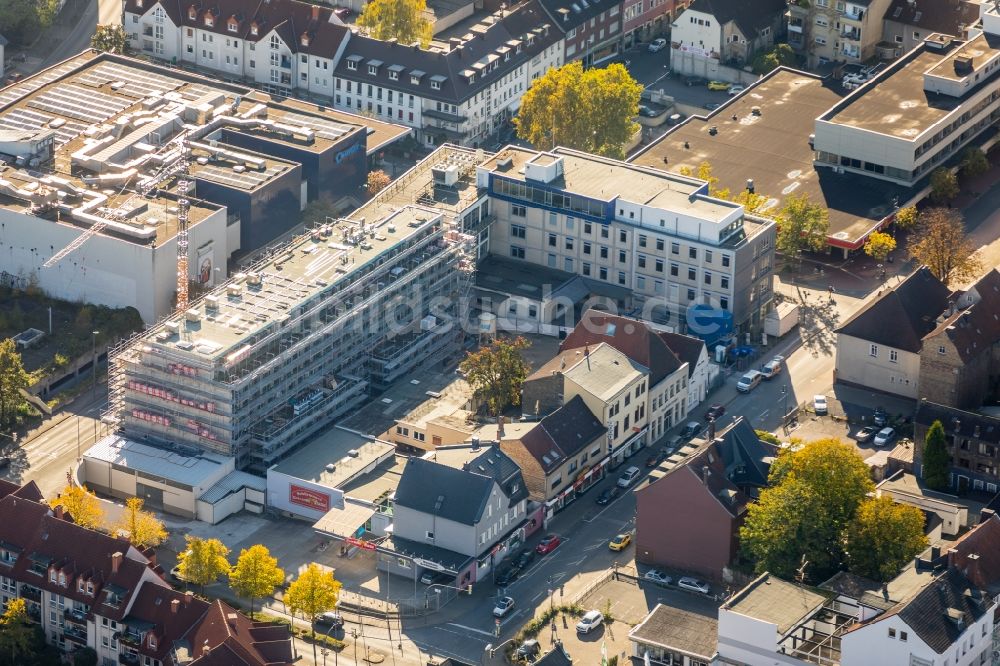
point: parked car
(655, 459)
(527, 650)
(647, 111)
(329, 619)
(432, 577)
(879, 417)
(628, 477)
(715, 412)
(590, 621)
(736, 90)
(620, 542)
(773, 367)
(547, 544)
(657, 44)
(865, 434)
(503, 606)
(694, 585)
(608, 495)
(691, 429)
(712, 106)
(657, 576)
(885, 437)
(819, 404)
(506, 575)
(719, 85)
(694, 81)
(524, 559)
(673, 443)
(749, 381)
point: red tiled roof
(155, 605)
(982, 541)
(975, 328)
(238, 638)
(629, 336)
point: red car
(715, 412)
(547, 544)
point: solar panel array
(28, 119)
(248, 180)
(324, 128)
(11, 94)
(74, 101)
(138, 83)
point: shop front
(629, 446)
(580, 485)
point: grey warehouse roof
(194, 470)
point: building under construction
(292, 344)
(93, 152)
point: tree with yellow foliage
(82, 505)
(141, 527)
(403, 20)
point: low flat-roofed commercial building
(180, 481)
(918, 112)
(763, 135)
(676, 636)
(905, 488)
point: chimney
(116, 561)
(711, 430)
(174, 605)
(231, 619)
(206, 649)
(500, 420)
(935, 553)
(58, 511)
(750, 186)
(972, 569)
(315, 12)
(188, 596)
(986, 514)
(705, 473)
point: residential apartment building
(591, 31)
(612, 385)
(825, 31)
(667, 400)
(260, 364)
(88, 589)
(957, 100)
(644, 20)
(729, 31)
(880, 346)
(562, 456)
(709, 491)
(973, 442)
(907, 24)
(654, 233)
(465, 510)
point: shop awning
(343, 523)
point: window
(693, 252)
(708, 256)
(692, 275)
(675, 248)
(690, 294)
(568, 265)
(659, 244)
(604, 231)
(659, 265)
(902, 636)
(393, 75)
(621, 277)
(569, 243)
(373, 69)
(517, 252)
(553, 239)
(518, 211)
(587, 247)
(435, 85)
(642, 261)
(603, 273)
(430, 536)
(892, 633)
(893, 356)
(604, 252)
(724, 303)
(517, 231)
(587, 227)
(725, 261)
(586, 269)
(873, 351)
(941, 349)
(621, 256)
(352, 65)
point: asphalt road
(652, 70)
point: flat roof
(519, 278)
(679, 629)
(228, 167)
(344, 522)
(380, 482)
(773, 150)
(191, 469)
(777, 601)
(334, 446)
(895, 102)
(903, 482)
(604, 372)
(605, 179)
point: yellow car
(620, 542)
(718, 85)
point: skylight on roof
(610, 330)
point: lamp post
(93, 362)
(784, 405)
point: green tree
(802, 225)
(800, 518)
(879, 245)
(974, 162)
(15, 634)
(13, 379)
(781, 55)
(22, 20)
(314, 592)
(497, 372)
(944, 185)
(941, 244)
(141, 527)
(318, 211)
(83, 505)
(906, 218)
(256, 574)
(403, 20)
(85, 657)
(768, 437)
(936, 463)
(591, 110)
(203, 561)
(378, 180)
(110, 38)
(882, 537)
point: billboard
(309, 498)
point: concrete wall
(694, 64)
(448, 534)
(105, 270)
(280, 489)
(872, 643)
(856, 365)
(696, 535)
(542, 395)
(948, 379)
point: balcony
(129, 658)
(795, 24)
(147, 31)
(286, 62)
(852, 34)
(75, 616)
(129, 637)
(75, 634)
(31, 593)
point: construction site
(116, 174)
(263, 362)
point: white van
(749, 381)
(628, 477)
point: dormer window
(192, 13)
(233, 26)
(253, 29)
(52, 575)
(304, 39)
(393, 76)
(90, 588)
(138, 3)
(62, 579)
(435, 85)
(373, 69)
(352, 65)
(209, 20)
(414, 80)
(79, 585)
(152, 641)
